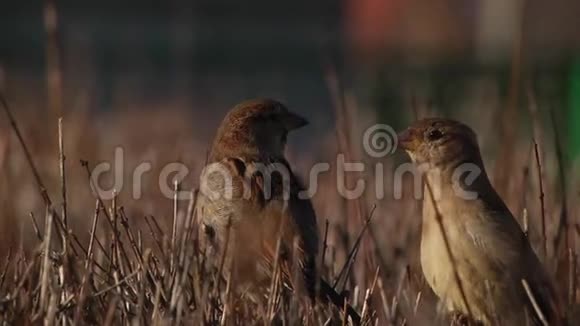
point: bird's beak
(408, 139)
(294, 121)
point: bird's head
(258, 126)
(441, 143)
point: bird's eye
(434, 134)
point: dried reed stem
(542, 203)
(456, 277)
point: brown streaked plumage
(491, 253)
(249, 145)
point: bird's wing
(263, 195)
(497, 236)
(302, 214)
(281, 191)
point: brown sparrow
(250, 194)
(249, 199)
(491, 255)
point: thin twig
(537, 309)
(354, 250)
(117, 284)
(93, 234)
(571, 277)
(39, 183)
(61, 160)
(456, 277)
(324, 243)
(174, 228)
(224, 254)
(542, 203)
(35, 227)
(46, 260)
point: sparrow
(249, 203)
(474, 255)
(249, 192)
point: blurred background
(204, 56)
(213, 53)
(156, 79)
